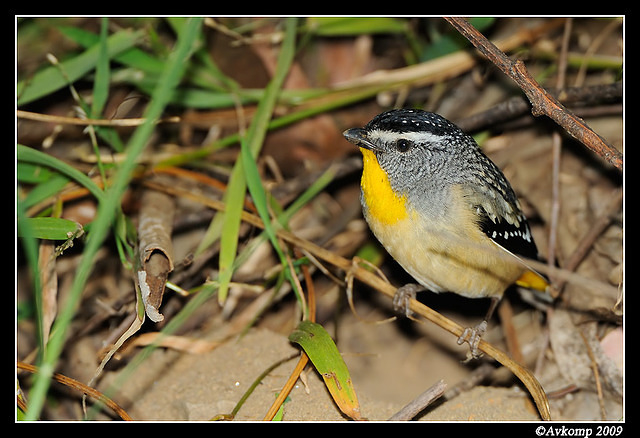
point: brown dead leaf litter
(573, 345)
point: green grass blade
(32, 174)
(254, 183)
(236, 189)
(33, 156)
(316, 187)
(107, 209)
(283, 218)
(101, 87)
(45, 190)
(101, 82)
(50, 79)
(133, 57)
(30, 247)
(343, 26)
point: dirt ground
(388, 370)
(390, 363)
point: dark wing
(498, 211)
(515, 237)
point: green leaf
(326, 358)
(48, 228)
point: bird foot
(472, 335)
(403, 296)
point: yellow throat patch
(383, 203)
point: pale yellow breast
(452, 255)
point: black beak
(358, 136)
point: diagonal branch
(542, 102)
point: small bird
(443, 210)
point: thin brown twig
(62, 120)
(287, 387)
(595, 44)
(505, 312)
(556, 151)
(585, 243)
(72, 383)
(418, 404)
(580, 98)
(475, 377)
(542, 102)
(596, 373)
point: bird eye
(403, 145)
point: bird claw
(473, 336)
(403, 296)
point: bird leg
(402, 301)
(472, 335)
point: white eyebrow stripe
(390, 136)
